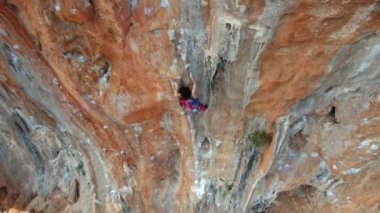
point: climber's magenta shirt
(193, 105)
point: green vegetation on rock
(258, 138)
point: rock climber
(189, 98)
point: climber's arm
(194, 91)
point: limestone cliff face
(89, 122)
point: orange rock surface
(89, 121)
